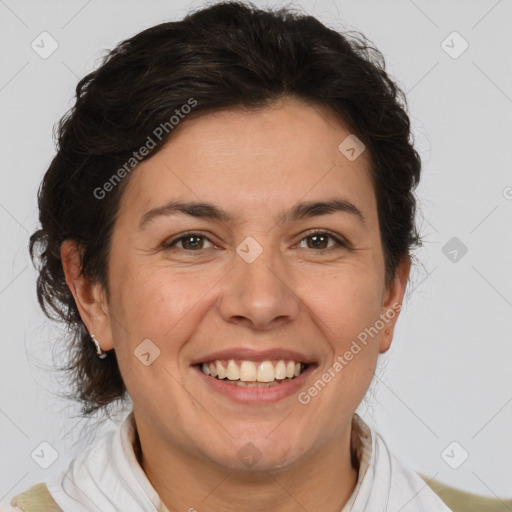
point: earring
(387, 331)
(99, 351)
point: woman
(226, 228)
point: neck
(324, 481)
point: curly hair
(228, 55)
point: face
(272, 280)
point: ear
(89, 295)
(392, 303)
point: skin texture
(293, 296)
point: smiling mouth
(248, 373)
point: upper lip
(250, 354)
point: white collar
(108, 478)
(384, 483)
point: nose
(259, 295)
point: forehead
(253, 161)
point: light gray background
(447, 377)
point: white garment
(108, 478)
(384, 484)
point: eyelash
(339, 241)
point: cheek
(347, 304)
(148, 305)
(144, 293)
(347, 301)
(162, 305)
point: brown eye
(320, 240)
(189, 242)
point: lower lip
(256, 395)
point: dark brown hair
(229, 55)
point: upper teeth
(249, 371)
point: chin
(260, 454)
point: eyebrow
(202, 210)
